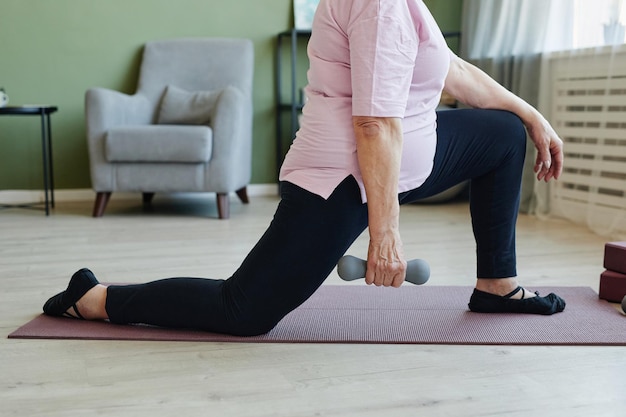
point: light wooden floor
(82, 378)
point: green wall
(52, 51)
(447, 13)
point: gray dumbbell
(350, 268)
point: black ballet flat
(82, 281)
(483, 302)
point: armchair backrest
(196, 64)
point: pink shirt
(383, 58)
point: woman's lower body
(309, 234)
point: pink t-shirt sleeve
(382, 56)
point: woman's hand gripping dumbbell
(351, 268)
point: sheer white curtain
(565, 57)
(502, 28)
(506, 38)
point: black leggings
(308, 235)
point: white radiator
(587, 108)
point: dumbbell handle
(350, 268)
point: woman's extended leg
(301, 247)
(488, 148)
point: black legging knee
(487, 147)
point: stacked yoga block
(613, 279)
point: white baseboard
(85, 194)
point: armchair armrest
(106, 108)
(231, 121)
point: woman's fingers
(550, 166)
(549, 162)
(385, 270)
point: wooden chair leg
(243, 195)
(102, 199)
(223, 206)
(147, 197)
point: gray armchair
(187, 128)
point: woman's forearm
(473, 87)
(379, 151)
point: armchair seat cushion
(159, 143)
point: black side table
(46, 148)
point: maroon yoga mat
(364, 314)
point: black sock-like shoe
(82, 281)
(484, 302)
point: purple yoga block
(615, 257)
(612, 286)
